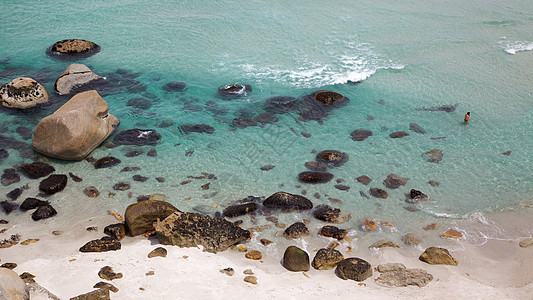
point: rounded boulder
(23, 93)
(141, 216)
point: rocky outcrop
(199, 128)
(287, 202)
(315, 177)
(331, 215)
(141, 216)
(137, 137)
(354, 268)
(37, 170)
(11, 286)
(101, 245)
(73, 48)
(192, 230)
(74, 78)
(360, 134)
(280, 105)
(23, 93)
(438, 256)
(393, 181)
(434, 156)
(332, 157)
(333, 232)
(296, 231)
(327, 259)
(106, 162)
(239, 210)
(53, 184)
(398, 275)
(234, 91)
(295, 259)
(76, 128)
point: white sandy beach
(499, 269)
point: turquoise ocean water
(407, 56)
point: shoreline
(495, 269)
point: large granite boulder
(332, 157)
(23, 93)
(354, 268)
(315, 177)
(11, 286)
(53, 184)
(74, 77)
(141, 216)
(397, 274)
(287, 202)
(192, 230)
(438, 256)
(73, 48)
(327, 259)
(296, 231)
(37, 170)
(137, 137)
(295, 259)
(76, 128)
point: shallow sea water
(407, 56)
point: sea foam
(518, 46)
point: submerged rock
(327, 259)
(288, 202)
(137, 137)
(416, 196)
(316, 166)
(239, 210)
(434, 156)
(43, 212)
(354, 268)
(8, 206)
(398, 134)
(280, 105)
(141, 216)
(393, 181)
(234, 91)
(139, 103)
(175, 86)
(31, 203)
(9, 178)
(364, 179)
(416, 128)
(23, 93)
(106, 162)
(53, 184)
(445, 108)
(295, 259)
(360, 134)
(37, 170)
(378, 193)
(199, 128)
(332, 157)
(192, 229)
(315, 177)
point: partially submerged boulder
(137, 137)
(141, 216)
(53, 184)
(23, 93)
(37, 170)
(191, 230)
(333, 232)
(315, 177)
(234, 91)
(332, 157)
(73, 48)
(74, 77)
(331, 215)
(288, 202)
(239, 210)
(76, 128)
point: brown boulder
(331, 215)
(393, 181)
(333, 232)
(141, 216)
(288, 202)
(398, 134)
(378, 193)
(354, 268)
(295, 259)
(107, 273)
(315, 177)
(73, 48)
(332, 157)
(438, 256)
(76, 128)
(23, 93)
(360, 134)
(327, 259)
(101, 245)
(74, 77)
(296, 230)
